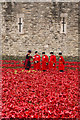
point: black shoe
(26, 68)
(61, 71)
(44, 70)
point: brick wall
(41, 28)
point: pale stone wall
(41, 30)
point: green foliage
(13, 57)
(66, 58)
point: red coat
(61, 63)
(52, 62)
(36, 60)
(44, 62)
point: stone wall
(41, 30)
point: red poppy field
(38, 94)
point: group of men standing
(45, 63)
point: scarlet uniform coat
(36, 58)
(61, 63)
(27, 63)
(44, 61)
(52, 62)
